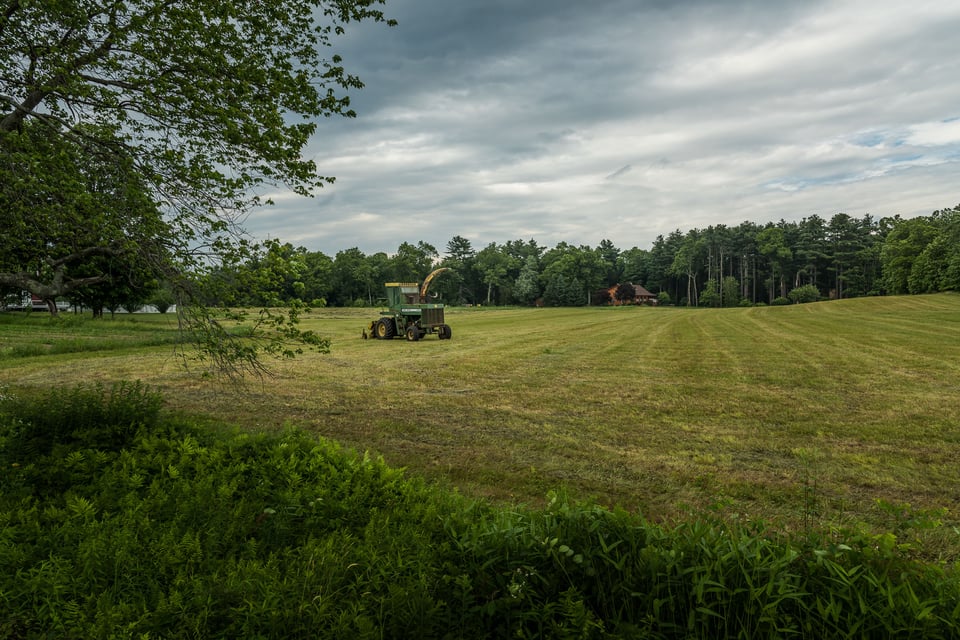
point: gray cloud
(619, 172)
(499, 120)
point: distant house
(38, 303)
(640, 296)
(27, 301)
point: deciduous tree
(527, 288)
(625, 293)
(903, 244)
(209, 102)
(73, 218)
(492, 264)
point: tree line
(719, 266)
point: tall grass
(117, 520)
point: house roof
(640, 292)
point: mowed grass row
(813, 415)
(37, 334)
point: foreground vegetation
(809, 417)
(117, 520)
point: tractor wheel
(413, 333)
(385, 328)
(445, 332)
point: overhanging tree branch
(204, 101)
(8, 13)
(59, 283)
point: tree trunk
(692, 289)
(773, 284)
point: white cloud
(931, 134)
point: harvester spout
(428, 280)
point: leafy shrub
(710, 296)
(779, 301)
(805, 293)
(579, 568)
(85, 416)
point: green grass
(834, 414)
(120, 520)
(25, 335)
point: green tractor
(409, 313)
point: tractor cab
(401, 293)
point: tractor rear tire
(413, 333)
(385, 329)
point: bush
(805, 293)
(79, 417)
(779, 301)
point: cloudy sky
(575, 121)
